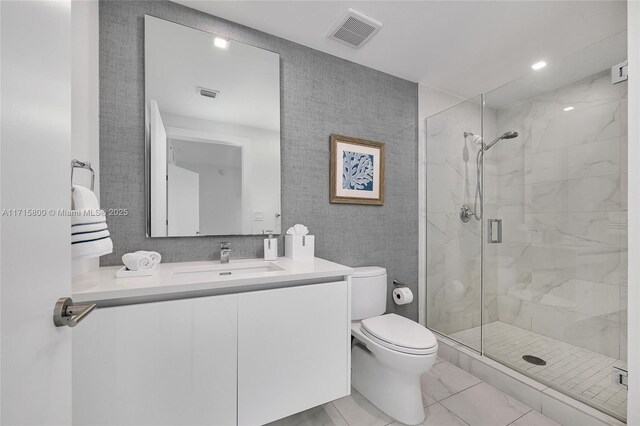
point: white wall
(265, 179)
(633, 16)
(85, 144)
(220, 197)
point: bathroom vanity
(245, 343)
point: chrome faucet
(225, 252)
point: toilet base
(395, 393)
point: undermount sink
(217, 271)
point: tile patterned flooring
(577, 371)
(451, 397)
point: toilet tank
(368, 292)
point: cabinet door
(293, 350)
(164, 363)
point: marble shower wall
(453, 299)
(560, 190)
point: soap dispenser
(270, 247)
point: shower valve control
(466, 213)
(494, 231)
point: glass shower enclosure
(527, 234)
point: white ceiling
(586, 62)
(461, 47)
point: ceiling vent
(208, 93)
(355, 29)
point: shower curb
(549, 402)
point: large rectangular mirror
(212, 134)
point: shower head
(506, 135)
(509, 135)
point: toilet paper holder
(402, 295)
(399, 284)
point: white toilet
(389, 352)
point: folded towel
(86, 203)
(89, 233)
(86, 217)
(88, 229)
(136, 261)
(89, 237)
(84, 198)
(95, 248)
(154, 255)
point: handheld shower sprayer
(506, 135)
(466, 212)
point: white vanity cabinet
(247, 358)
(293, 350)
(162, 363)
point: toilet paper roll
(402, 295)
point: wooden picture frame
(362, 180)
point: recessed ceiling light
(221, 43)
(539, 65)
(569, 108)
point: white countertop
(192, 279)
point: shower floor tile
(577, 371)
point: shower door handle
(494, 231)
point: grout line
(520, 417)
(453, 394)
(339, 413)
(452, 413)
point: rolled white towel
(154, 255)
(136, 261)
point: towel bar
(76, 164)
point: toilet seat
(399, 334)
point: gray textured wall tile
(321, 94)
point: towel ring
(76, 164)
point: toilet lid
(399, 331)
(368, 271)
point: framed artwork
(357, 171)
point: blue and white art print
(357, 171)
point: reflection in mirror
(213, 134)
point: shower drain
(534, 360)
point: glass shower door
(454, 286)
(554, 218)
